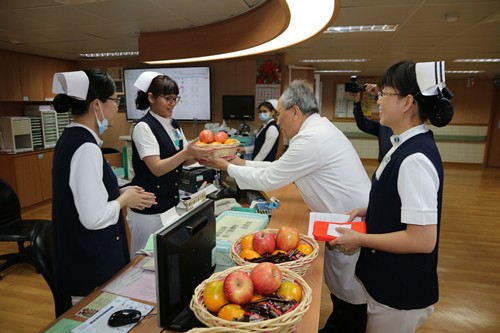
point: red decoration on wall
(268, 72)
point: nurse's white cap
(430, 77)
(144, 80)
(74, 84)
(274, 103)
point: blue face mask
(264, 116)
(102, 125)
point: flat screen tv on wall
(238, 107)
(194, 90)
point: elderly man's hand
(216, 163)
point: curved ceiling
(65, 28)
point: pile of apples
(244, 296)
(264, 245)
(207, 137)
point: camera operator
(369, 126)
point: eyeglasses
(381, 94)
(170, 99)
(116, 100)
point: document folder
(325, 231)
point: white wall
(460, 144)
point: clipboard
(321, 229)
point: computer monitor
(184, 258)
(194, 89)
(238, 107)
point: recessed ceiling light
(463, 72)
(477, 60)
(333, 60)
(363, 28)
(110, 54)
(336, 71)
(451, 17)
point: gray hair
(299, 93)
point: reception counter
(292, 212)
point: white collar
(397, 140)
(94, 134)
(163, 120)
(304, 124)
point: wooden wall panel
(237, 76)
(492, 154)
(31, 69)
(472, 105)
(9, 74)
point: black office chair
(42, 249)
(13, 228)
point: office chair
(13, 228)
(42, 249)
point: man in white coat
(330, 177)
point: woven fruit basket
(215, 330)
(285, 323)
(223, 150)
(299, 266)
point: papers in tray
(98, 323)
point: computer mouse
(124, 317)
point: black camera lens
(354, 87)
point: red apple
(266, 278)
(220, 137)
(206, 136)
(287, 238)
(238, 287)
(264, 242)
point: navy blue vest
(261, 138)
(401, 281)
(166, 187)
(83, 259)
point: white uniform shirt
(85, 180)
(272, 135)
(142, 225)
(146, 142)
(418, 182)
(330, 177)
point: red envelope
(320, 229)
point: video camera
(354, 86)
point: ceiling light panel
(464, 72)
(478, 60)
(110, 54)
(336, 71)
(363, 28)
(333, 60)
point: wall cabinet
(11, 80)
(51, 66)
(30, 77)
(30, 174)
(30, 69)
